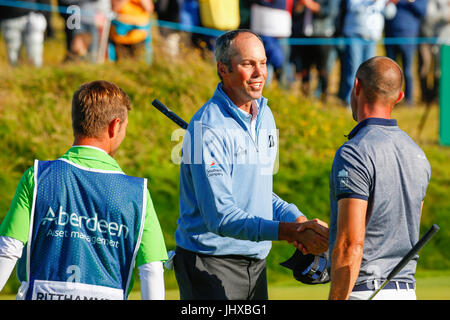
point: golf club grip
(169, 113)
(422, 241)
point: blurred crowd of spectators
(118, 29)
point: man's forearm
(345, 265)
(348, 249)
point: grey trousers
(206, 277)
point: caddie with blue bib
(82, 219)
(78, 224)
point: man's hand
(318, 226)
(308, 236)
(311, 242)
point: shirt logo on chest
(271, 141)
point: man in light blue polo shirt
(228, 212)
(377, 186)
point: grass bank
(35, 124)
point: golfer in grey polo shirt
(377, 187)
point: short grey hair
(223, 51)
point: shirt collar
(90, 147)
(371, 121)
(253, 111)
(82, 153)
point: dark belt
(227, 256)
(370, 286)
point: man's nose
(259, 70)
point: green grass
(35, 124)
(431, 285)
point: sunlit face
(245, 81)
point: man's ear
(357, 86)
(400, 97)
(113, 128)
(222, 68)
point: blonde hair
(95, 104)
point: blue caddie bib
(85, 230)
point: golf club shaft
(169, 113)
(422, 241)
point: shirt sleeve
(16, 223)
(351, 174)
(152, 281)
(284, 211)
(213, 191)
(10, 251)
(153, 247)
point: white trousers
(385, 294)
(28, 29)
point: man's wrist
(269, 230)
(287, 231)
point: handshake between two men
(309, 236)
